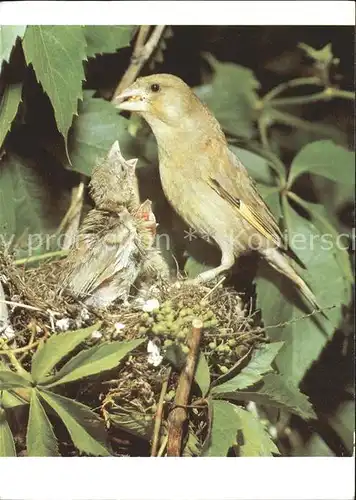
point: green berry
(224, 369)
(185, 349)
(212, 345)
(167, 342)
(142, 330)
(181, 335)
(231, 342)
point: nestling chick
(203, 180)
(115, 241)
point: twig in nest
(18, 304)
(178, 415)
(159, 414)
(215, 287)
(142, 52)
(71, 220)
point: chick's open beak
(131, 100)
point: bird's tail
(280, 262)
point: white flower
(154, 357)
(96, 335)
(63, 324)
(119, 326)
(84, 314)
(150, 305)
(6, 332)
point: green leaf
(321, 221)
(55, 348)
(8, 108)
(324, 55)
(93, 133)
(193, 267)
(40, 438)
(257, 166)
(106, 39)
(232, 97)
(24, 202)
(131, 421)
(343, 423)
(271, 196)
(10, 399)
(12, 380)
(280, 303)
(326, 159)
(202, 374)
(276, 391)
(315, 446)
(7, 443)
(56, 54)
(259, 365)
(91, 361)
(86, 429)
(253, 439)
(224, 429)
(8, 37)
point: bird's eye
(155, 87)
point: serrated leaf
(255, 442)
(86, 429)
(24, 202)
(7, 443)
(276, 391)
(8, 37)
(93, 133)
(49, 353)
(224, 429)
(8, 108)
(92, 361)
(231, 96)
(40, 438)
(259, 365)
(280, 302)
(106, 39)
(202, 374)
(56, 54)
(12, 380)
(326, 159)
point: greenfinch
(203, 180)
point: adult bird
(203, 180)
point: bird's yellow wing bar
(269, 229)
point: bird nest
(144, 385)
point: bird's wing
(101, 255)
(233, 183)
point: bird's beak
(131, 100)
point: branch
(142, 52)
(178, 415)
(159, 414)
